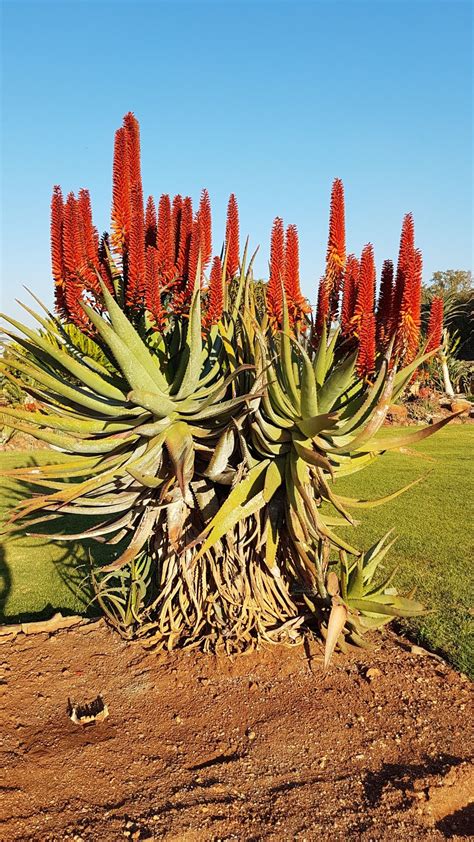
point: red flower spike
(351, 278)
(132, 129)
(57, 264)
(165, 239)
(292, 263)
(336, 250)
(176, 212)
(185, 235)
(215, 303)
(57, 217)
(73, 256)
(435, 324)
(205, 222)
(366, 356)
(152, 291)
(405, 258)
(89, 265)
(297, 304)
(277, 273)
(384, 304)
(408, 333)
(150, 222)
(232, 238)
(136, 278)
(72, 245)
(194, 250)
(322, 310)
(120, 224)
(365, 298)
(73, 294)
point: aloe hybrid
(204, 451)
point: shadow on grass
(72, 561)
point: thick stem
(448, 388)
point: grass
(433, 551)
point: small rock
(177, 719)
(251, 734)
(461, 405)
(372, 673)
(398, 414)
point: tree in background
(454, 286)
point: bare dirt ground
(261, 747)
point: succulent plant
(203, 435)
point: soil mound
(262, 747)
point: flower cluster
(156, 253)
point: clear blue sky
(269, 99)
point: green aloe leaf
(89, 378)
(354, 503)
(190, 367)
(337, 383)
(245, 499)
(407, 439)
(75, 394)
(132, 340)
(179, 444)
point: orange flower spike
(435, 324)
(405, 258)
(73, 255)
(57, 263)
(136, 280)
(232, 238)
(165, 239)
(366, 356)
(176, 213)
(89, 242)
(121, 213)
(132, 129)
(351, 277)
(89, 233)
(297, 305)
(215, 304)
(384, 304)
(365, 298)
(57, 219)
(72, 246)
(185, 234)
(322, 310)
(336, 250)
(410, 318)
(150, 222)
(152, 291)
(194, 250)
(205, 221)
(292, 265)
(277, 273)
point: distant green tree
(451, 282)
(456, 289)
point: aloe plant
(204, 427)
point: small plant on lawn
(206, 417)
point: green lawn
(434, 548)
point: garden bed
(264, 746)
